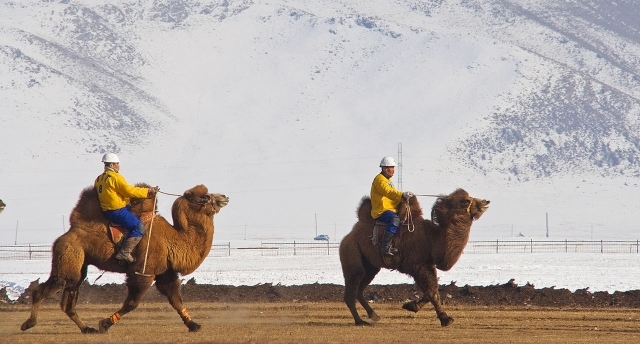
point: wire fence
(306, 248)
(553, 246)
(21, 252)
(43, 251)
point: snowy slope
(288, 106)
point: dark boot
(127, 247)
(385, 245)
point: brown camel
(172, 251)
(423, 246)
(2, 205)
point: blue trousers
(125, 217)
(391, 219)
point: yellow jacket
(114, 192)
(384, 196)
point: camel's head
(477, 207)
(457, 203)
(210, 203)
(197, 205)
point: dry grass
(328, 323)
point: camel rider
(384, 201)
(114, 193)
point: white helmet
(387, 161)
(110, 157)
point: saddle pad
(117, 233)
(379, 229)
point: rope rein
(146, 254)
(188, 200)
(170, 194)
(410, 225)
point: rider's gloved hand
(407, 194)
(152, 192)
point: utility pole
(316, 217)
(15, 241)
(400, 166)
(547, 219)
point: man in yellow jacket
(114, 193)
(384, 201)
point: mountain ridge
(289, 100)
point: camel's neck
(198, 236)
(453, 238)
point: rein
(409, 220)
(170, 194)
(468, 207)
(188, 200)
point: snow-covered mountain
(287, 106)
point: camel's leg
(354, 274)
(38, 295)
(169, 285)
(351, 284)
(69, 300)
(67, 272)
(137, 286)
(370, 272)
(427, 280)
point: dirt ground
(507, 294)
(315, 313)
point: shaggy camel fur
(424, 247)
(173, 251)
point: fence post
(328, 253)
(294, 247)
(29, 251)
(497, 244)
(565, 246)
(601, 248)
(531, 246)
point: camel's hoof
(89, 330)
(28, 324)
(363, 323)
(104, 325)
(193, 327)
(374, 317)
(411, 306)
(445, 320)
